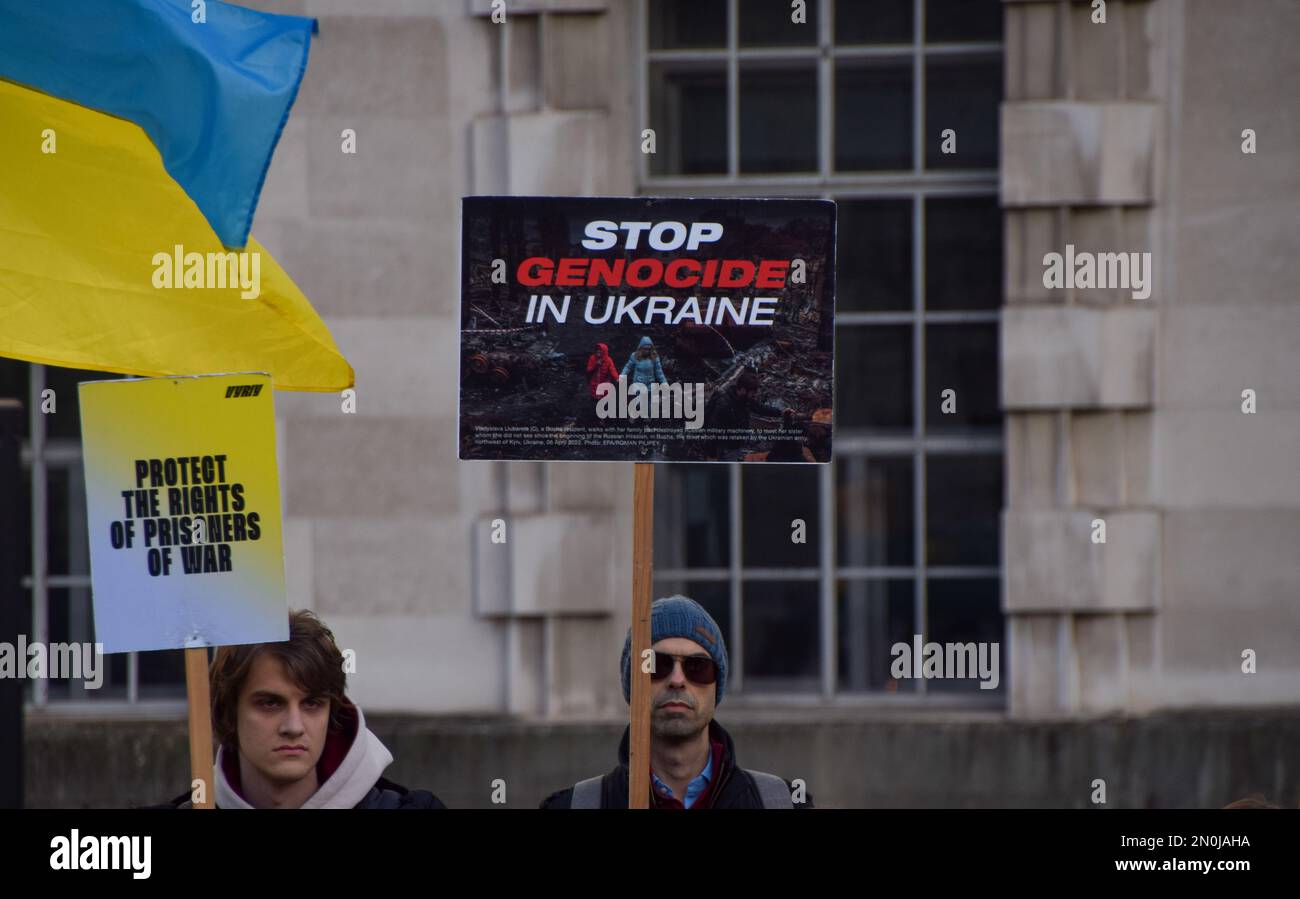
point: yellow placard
(183, 512)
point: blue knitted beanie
(680, 616)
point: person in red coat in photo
(600, 369)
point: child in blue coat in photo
(643, 365)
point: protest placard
(647, 329)
(183, 512)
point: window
(903, 529)
(56, 546)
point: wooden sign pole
(643, 496)
(196, 688)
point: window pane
(963, 358)
(67, 549)
(65, 421)
(962, 94)
(56, 510)
(23, 596)
(676, 24)
(21, 542)
(715, 596)
(782, 627)
(688, 112)
(963, 20)
(873, 376)
(963, 506)
(768, 23)
(872, 617)
(162, 674)
(963, 253)
(773, 496)
(13, 385)
(964, 610)
(874, 511)
(778, 118)
(874, 255)
(692, 516)
(879, 22)
(873, 115)
(70, 621)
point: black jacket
(384, 794)
(732, 787)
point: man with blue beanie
(692, 759)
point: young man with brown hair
(288, 735)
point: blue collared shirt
(694, 789)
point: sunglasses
(698, 669)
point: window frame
(916, 184)
(39, 455)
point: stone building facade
(1129, 136)
(1117, 409)
(1117, 137)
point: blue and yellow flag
(106, 261)
(212, 85)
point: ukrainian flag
(134, 139)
